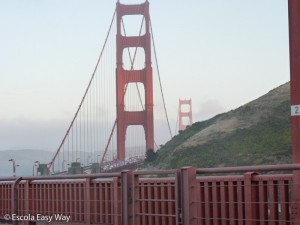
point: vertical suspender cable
(75, 116)
(161, 89)
(176, 122)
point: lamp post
(37, 169)
(14, 166)
(63, 165)
(33, 169)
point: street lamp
(33, 169)
(14, 166)
(38, 165)
(63, 165)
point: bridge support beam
(14, 198)
(294, 38)
(188, 191)
(124, 77)
(187, 114)
(127, 203)
(251, 200)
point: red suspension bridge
(115, 126)
(99, 135)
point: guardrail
(168, 197)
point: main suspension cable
(86, 91)
(160, 84)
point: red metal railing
(156, 200)
(83, 200)
(5, 197)
(263, 199)
(169, 197)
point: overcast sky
(220, 53)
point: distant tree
(150, 155)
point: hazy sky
(220, 53)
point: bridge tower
(185, 114)
(124, 77)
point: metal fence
(187, 196)
(236, 200)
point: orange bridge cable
(80, 130)
(131, 97)
(86, 91)
(109, 140)
(112, 130)
(160, 84)
(72, 139)
(132, 60)
(87, 126)
(176, 122)
(96, 121)
(92, 124)
(76, 137)
(134, 57)
(90, 140)
(84, 128)
(138, 42)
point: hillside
(256, 133)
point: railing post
(116, 197)
(26, 199)
(126, 204)
(251, 199)
(178, 194)
(295, 201)
(135, 196)
(14, 198)
(87, 201)
(188, 194)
